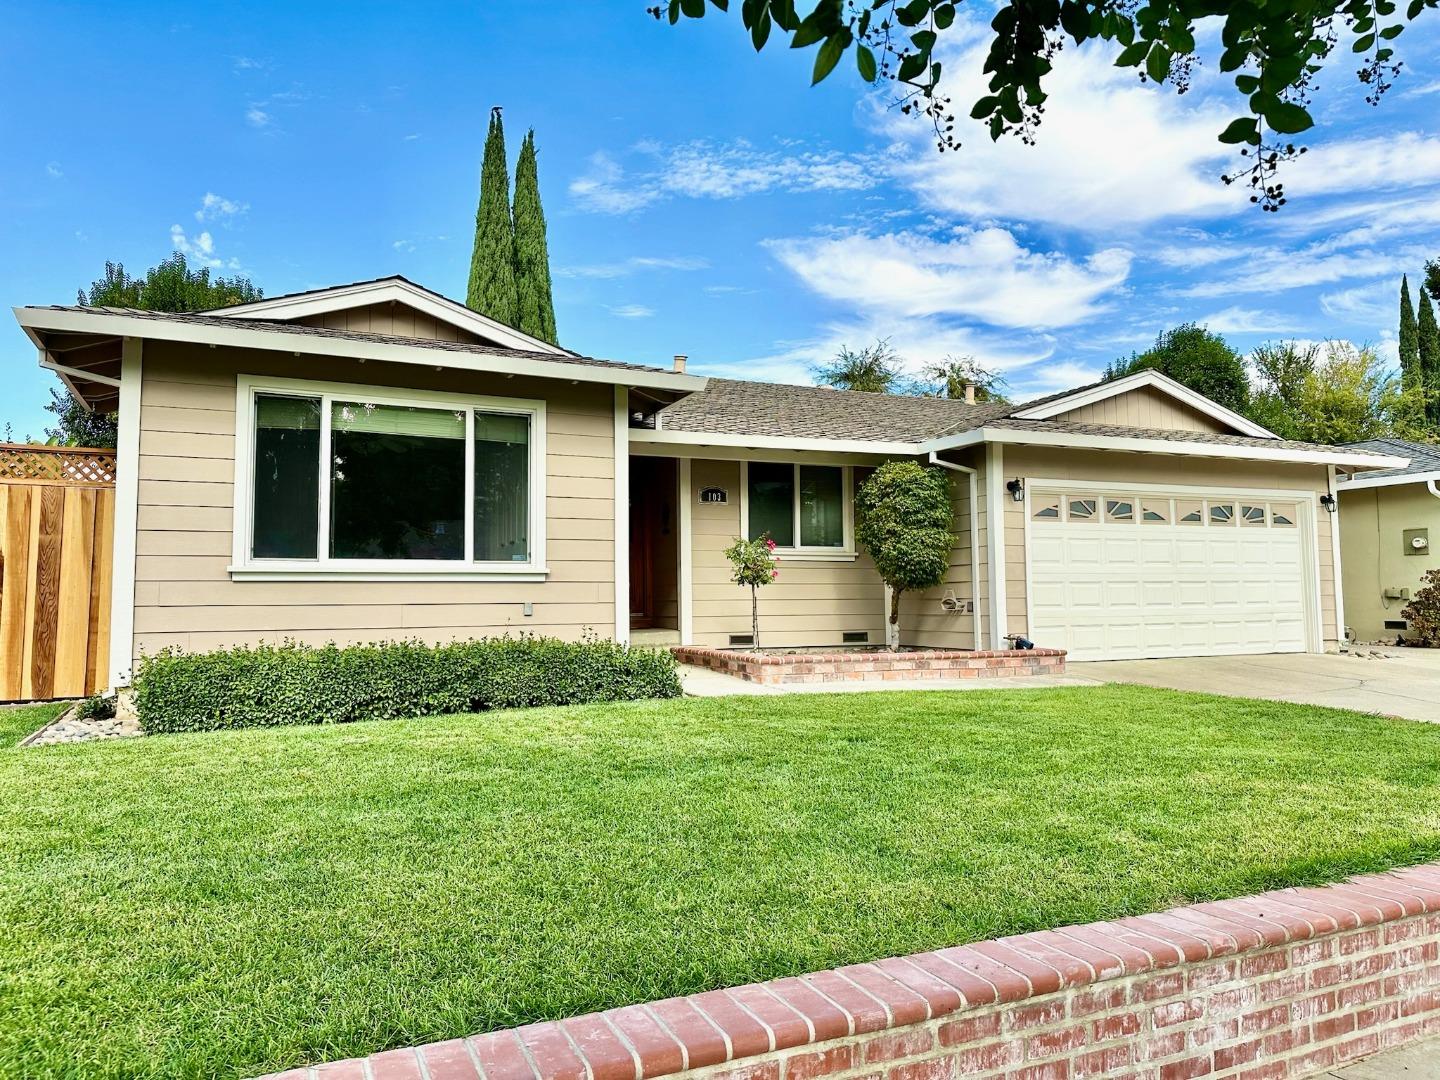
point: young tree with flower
(753, 563)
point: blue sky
(701, 199)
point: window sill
(300, 572)
(794, 555)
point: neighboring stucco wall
(396, 320)
(1372, 523)
(811, 603)
(1036, 463)
(185, 596)
(1146, 407)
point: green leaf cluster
(276, 685)
(904, 520)
(532, 252)
(1196, 357)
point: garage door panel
(1128, 589)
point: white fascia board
(1164, 446)
(668, 437)
(279, 339)
(1359, 483)
(1139, 380)
(379, 292)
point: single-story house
(377, 461)
(1391, 518)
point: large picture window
(340, 480)
(801, 507)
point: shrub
(903, 519)
(272, 685)
(1423, 612)
(96, 707)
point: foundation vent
(742, 639)
(855, 637)
(1396, 624)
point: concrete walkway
(1395, 682)
(1420, 1061)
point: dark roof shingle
(1424, 457)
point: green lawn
(17, 721)
(223, 904)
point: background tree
(1272, 53)
(1428, 342)
(1196, 357)
(536, 306)
(1409, 336)
(491, 290)
(1432, 278)
(1351, 395)
(874, 369)
(172, 285)
(903, 518)
(954, 373)
(1278, 394)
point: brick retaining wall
(1284, 984)
(822, 667)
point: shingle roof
(779, 410)
(1116, 431)
(232, 323)
(1424, 457)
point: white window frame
(244, 566)
(846, 551)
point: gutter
(974, 538)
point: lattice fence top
(55, 465)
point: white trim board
(1139, 380)
(995, 543)
(622, 515)
(389, 290)
(127, 508)
(322, 568)
(1364, 482)
(703, 440)
(283, 339)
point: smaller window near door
(1189, 512)
(1222, 513)
(1082, 509)
(1155, 511)
(1252, 515)
(1282, 515)
(1119, 510)
(799, 506)
(1045, 507)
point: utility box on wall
(1417, 541)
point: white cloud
(218, 208)
(982, 274)
(53, 170)
(1404, 159)
(707, 170)
(249, 63)
(199, 248)
(1272, 268)
(1238, 320)
(634, 264)
(632, 311)
(1364, 303)
(257, 117)
(1110, 152)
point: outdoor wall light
(1328, 501)
(1016, 489)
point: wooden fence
(57, 531)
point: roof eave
(1363, 483)
(279, 339)
(978, 436)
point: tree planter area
(878, 665)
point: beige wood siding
(1115, 470)
(185, 596)
(924, 622)
(1373, 555)
(811, 603)
(392, 319)
(1146, 407)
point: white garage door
(1119, 575)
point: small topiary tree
(904, 517)
(1423, 612)
(752, 562)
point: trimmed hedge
(273, 685)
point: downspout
(1430, 487)
(935, 459)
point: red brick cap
(687, 653)
(660, 1038)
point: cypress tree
(532, 255)
(492, 262)
(1429, 337)
(1411, 373)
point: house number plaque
(714, 495)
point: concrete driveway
(1397, 682)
